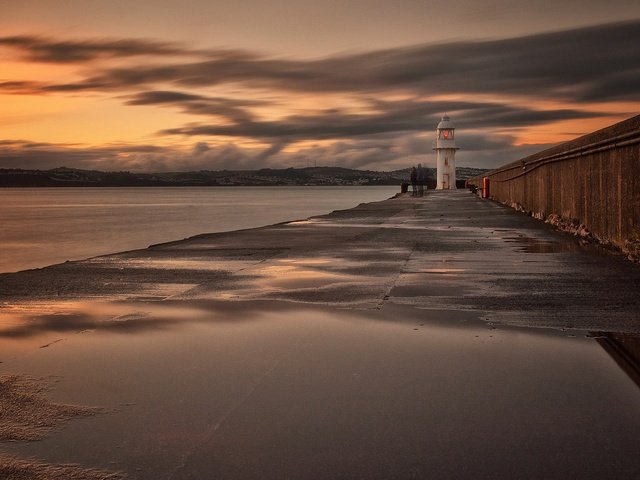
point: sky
(159, 85)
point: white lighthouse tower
(446, 155)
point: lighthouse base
(445, 182)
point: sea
(45, 226)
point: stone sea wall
(589, 186)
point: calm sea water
(43, 226)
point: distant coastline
(312, 176)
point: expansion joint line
(209, 434)
(281, 253)
(401, 270)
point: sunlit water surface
(43, 226)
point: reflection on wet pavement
(624, 348)
(274, 392)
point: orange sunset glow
(286, 85)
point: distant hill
(72, 177)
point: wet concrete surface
(442, 337)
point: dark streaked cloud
(22, 87)
(45, 49)
(619, 85)
(392, 117)
(160, 97)
(598, 63)
(139, 158)
(233, 109)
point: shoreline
(51, 226)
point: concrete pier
(442, 337)
(448, 251)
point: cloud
(22, 87)
(382, 153)
(390, 117)
(397, 134)
(233, 109)
(594, 64)
(139, 158)
(45, 49)
(598, 63)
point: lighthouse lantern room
(446, 155)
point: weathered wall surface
(593, 180)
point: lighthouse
(446, 154)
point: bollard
(485, 187)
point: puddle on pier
(276, 390)
(563, 243)
(321, 279)
(373, 224)
(536, 245)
